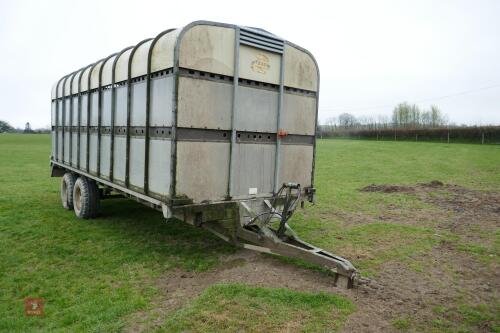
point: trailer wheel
(67, 186)
(85, 198)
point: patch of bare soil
(402, 188)
(447, 275)
(470, 213)
(397, 292)
(252, 268)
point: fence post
(482, 138)
(395, 135)
(448, 136)
(416, 137)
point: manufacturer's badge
(260, 64)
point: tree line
(404, 115)
(5, 127)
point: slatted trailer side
(212, 123)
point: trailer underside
(259, 224)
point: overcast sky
(372, 54)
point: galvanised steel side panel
(93, 153)
(53, 113)
(106, 108)
(204, 104)
(301, 158)
(257, 109)
(119, 158)
(53, 124)
(159, 166)
(105, 155)
(83, 150)
(67, 108)
(300, 69)
(76, 80)
(162, 56)
(105, 144)
(94, 107)
(259, 65)
(137, 161)
(140, 59)
(74, 120)
(94, 75)
(107, 71)
(84, 85)
(66, 147)
(299, 114)
(59, 147)
(83, 115)
(83, 134)
(121, 70)
(207, 48)
(121, 106)
(53, 90)
(53, 151)
(138, 106)
(161, 101)
(74, 147)
(254, 168)
(59, 129)
(202, 170)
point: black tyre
(85, 198)
(67, 186)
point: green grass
(239, 308)
(402, 324)
(344, 167)
(95, 274)
(91, 273)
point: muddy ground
(449, 276)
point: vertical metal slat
(89, 105)
(277, 157)
(148, 110)
(129, 95)
(63, 101)
(113, 113)
(56, 157)
(236, 76)
(99, 115)
(80, 116)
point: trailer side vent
(261, 40)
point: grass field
(433, 253)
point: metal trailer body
(212, 123)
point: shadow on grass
(141, 231)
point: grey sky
(372, 54)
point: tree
(331, 123)
(347, 120)
(433, 118)
(407, 116)
(437, 118)
(5, 127)
(27, 128)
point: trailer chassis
(258, 224)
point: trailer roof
(157, 54)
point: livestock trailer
(212, 123)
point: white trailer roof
(204, 46)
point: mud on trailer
(213, 124)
